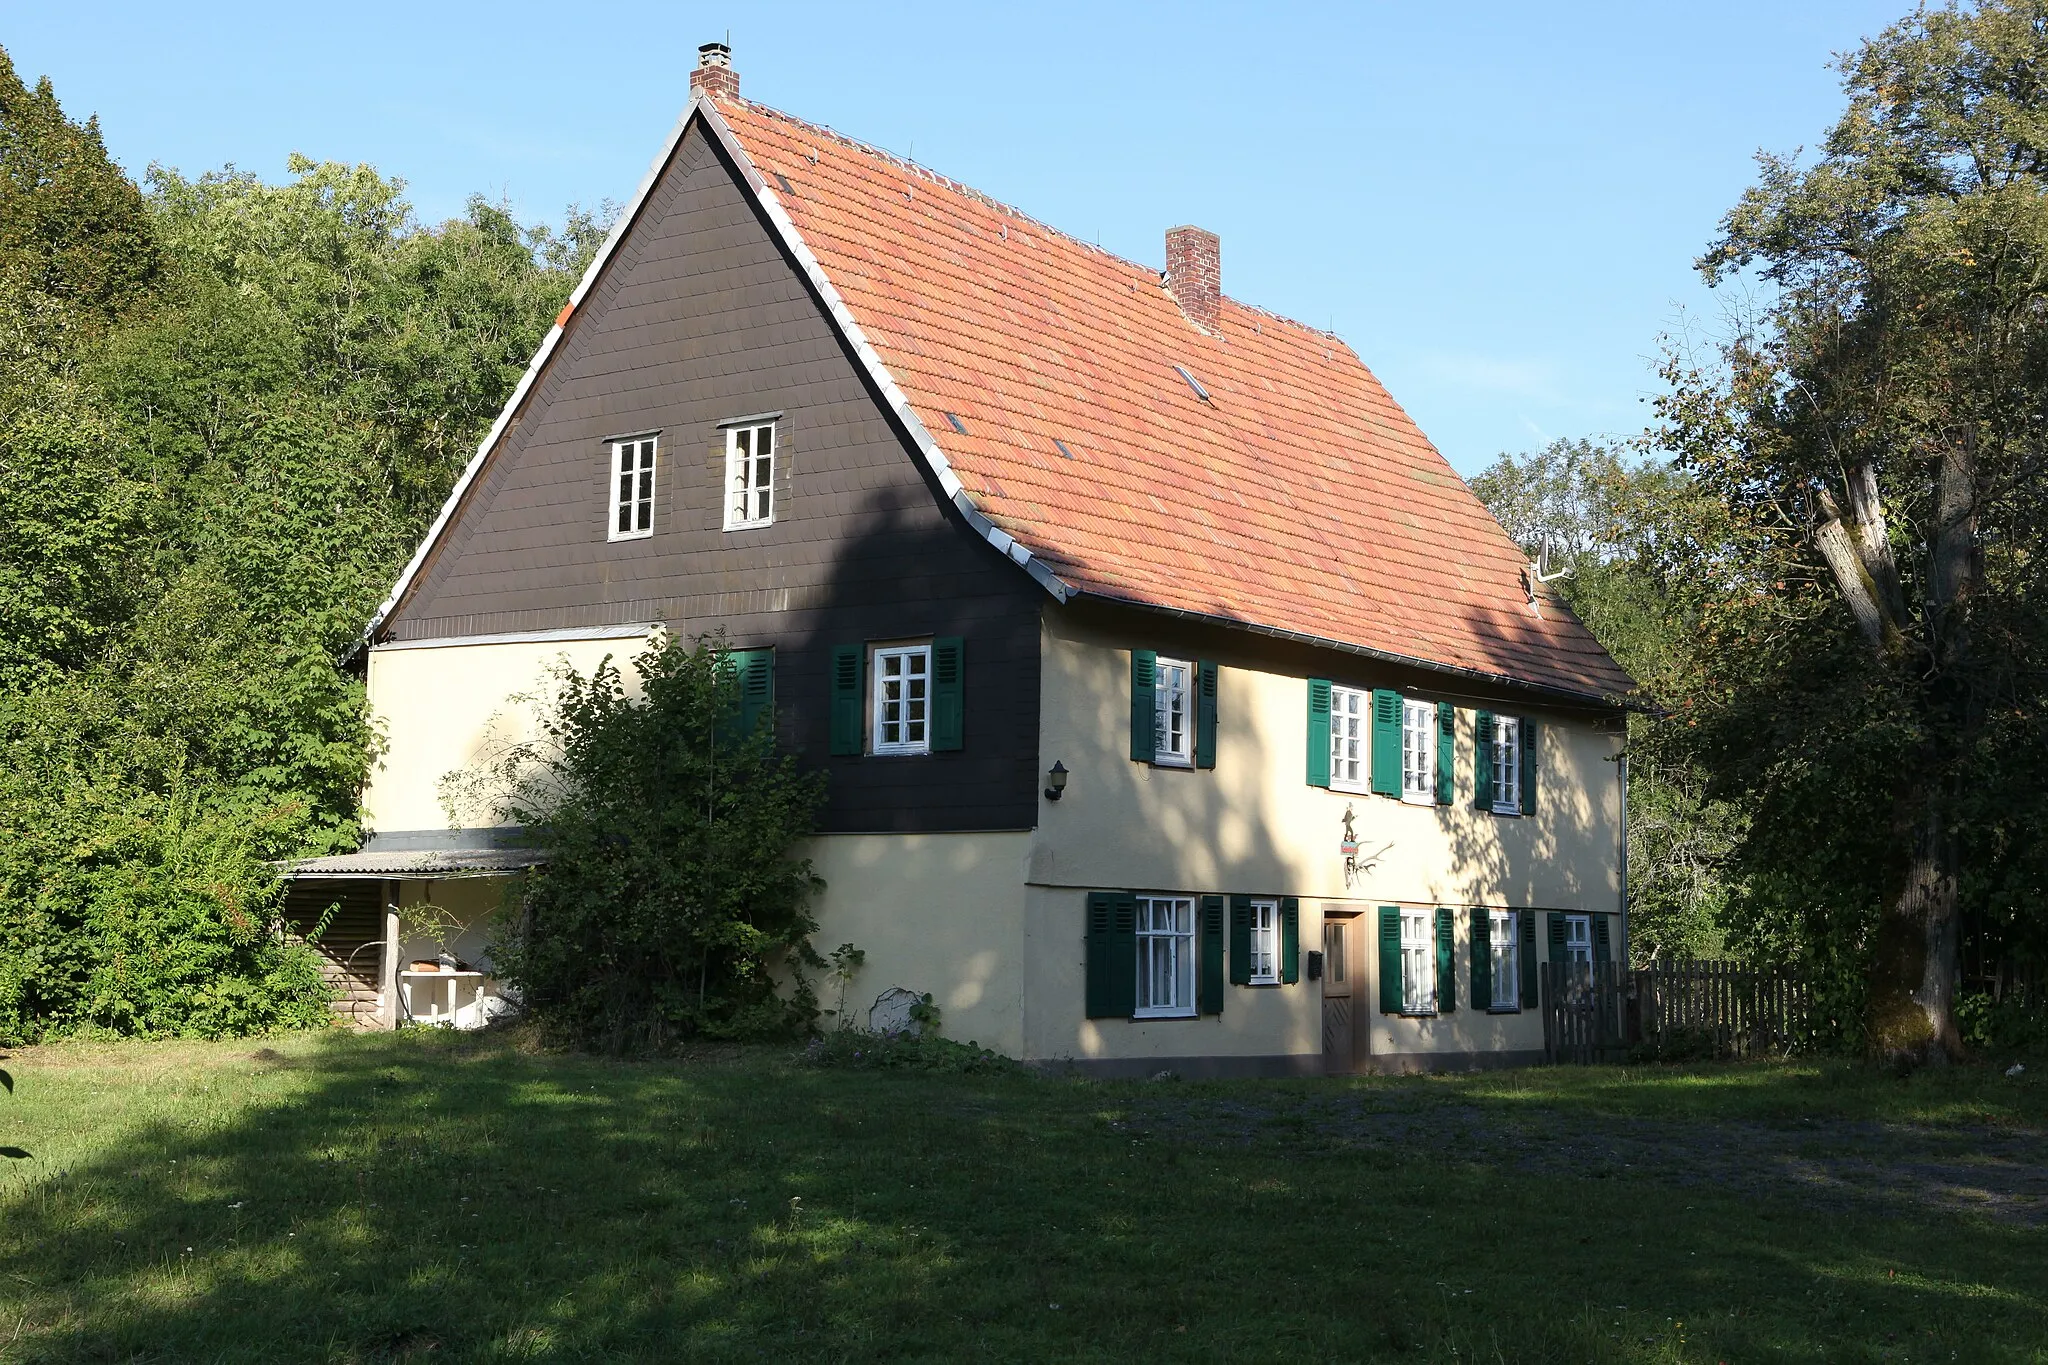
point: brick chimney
(1194, 275)
(714, 75)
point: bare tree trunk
(1910, 1014)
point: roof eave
(1577, 696)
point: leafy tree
(72, 227)
(671, 891)
(1874, 657)
(227, 410)
(1622, 534)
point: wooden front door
(1340, 972)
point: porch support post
(387, 1010)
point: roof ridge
(925, 172)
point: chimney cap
(714, 54)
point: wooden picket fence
(1584, 1011)
(1721, 1009)
(1679, 1010)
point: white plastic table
(452, 1016)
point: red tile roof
(1302, 498)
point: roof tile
(1301, 498)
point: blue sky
(1496, 205)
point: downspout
(1621, 772)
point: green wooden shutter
(1482, 960)
(1212, 955)
(1482, 760)
(1144, 705)
(1386, 742)
(1240, 940)
(1446, 752)
(1556, 937)
(1205, 714)
(949, 692)
(1290, 940)
(1319, 732)
(757, 685)
(1446, 962)
(1112, 969)
(1528, 962)
(1600, 938)
(1528, 766)
(1390, 959)
(846, 671)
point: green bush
(2017, 1022)
(670, 895)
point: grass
(430, 1196)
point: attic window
(1194, 384)
(783, 181)
(1061, 446)
(957, 426)
(632, 488)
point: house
(1182, 708)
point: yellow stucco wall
(1252, 825)
(943, 913)
(441, 707)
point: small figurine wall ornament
(1350, 846)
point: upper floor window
(1350, 716)
(749, 476)
(1418, 751)
(632, 488)
(1507, 765)
(902, 699)
(1173, 713)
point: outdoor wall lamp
(1055, 780)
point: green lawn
(440, 1197)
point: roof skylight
(957, 424)
(1194, 384)
(1062, 446)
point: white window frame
(1173, 698)
(1418, 752)
(1504, 947)
(1578, 944)
(1265, 943)
(910, 711)
(750, 475)
(1167, 943)
(635, 461)
(1418, 962)
(1350, 731)
(1507, 765)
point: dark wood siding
(351, 945)
(700, 319)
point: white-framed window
(1418, 962)
(632, 488)
(1265, 943)
(1418, 752)
(1174, 713)
(1166, 956)
(1504, 946)
(1578, 944)
(1507, 765)
(1350, 719)
(749, 476)
(902, 699)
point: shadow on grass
(395, 1198)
